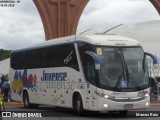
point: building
(4, 67)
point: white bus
(83, 72)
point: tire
(26, 100)
(79, 105)
(123, 113)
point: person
(2, 81)
(6, 90)
(2, 105)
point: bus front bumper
(109, 105)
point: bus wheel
(26, 100)
(123, 112)
(79, 105)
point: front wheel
(26, 100)
(79, 106)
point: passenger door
(90, 74)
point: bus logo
(123, 83)
(23, 79)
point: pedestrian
(2, 81)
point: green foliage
(4, 54)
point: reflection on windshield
(123, 67)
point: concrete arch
(156, 4)
(60, 17)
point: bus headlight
(146, 95)
(106, 96)
(103, 95)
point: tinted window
(53, 56)
(87, 61)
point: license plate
(128, 106)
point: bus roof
(105, 40)
(108, 40)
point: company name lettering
(61, 76)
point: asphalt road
(68, 114)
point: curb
(13, 103)
(154, 104)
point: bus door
(91, 97)
(153, 89)
(153, 65)
(90, 74)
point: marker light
(147, 95)
(147, 104)
(106, 105)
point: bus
(84, 72)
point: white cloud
(110, 13)
(21, 26)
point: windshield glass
(123, 67)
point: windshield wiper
(125, 69)
(119, 78)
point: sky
(21, 25)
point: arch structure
(156, 4)
(60, 17)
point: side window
(54, 56)
(87, 62)
(17, 60)
(84, 47)
(69, 56)
(13, 60)
(90, 69)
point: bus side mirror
(95, 58)
(154, 58)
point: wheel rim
(26, 101)
(78, 105)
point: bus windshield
(123, 68)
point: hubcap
(26, 101)
(78, 105)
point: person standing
(2, 81)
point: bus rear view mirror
(95, 58)
(154, 58)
